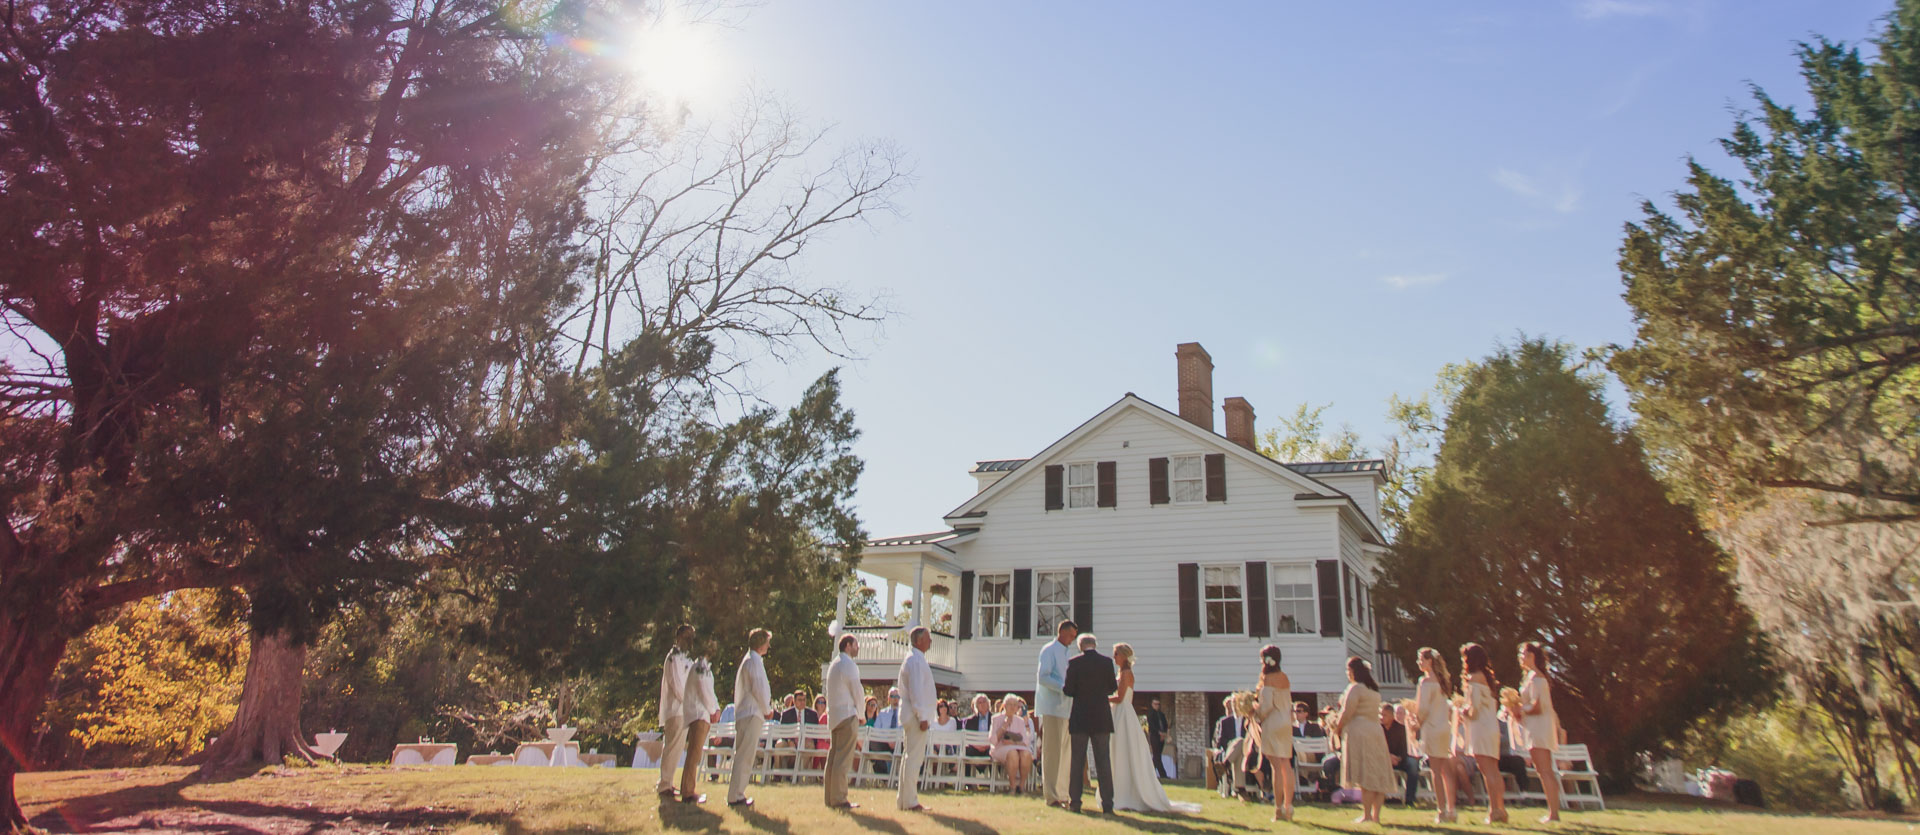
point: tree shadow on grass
(762, 822)
(1171, 822)
(688, 817)
(243, 816)
(875, 824)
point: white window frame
(1311, 625)
(1089, 488)
(980, 605)
(1207, 602)
(1174, 481)
(1039, 623)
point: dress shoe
(745, 801)
(1074, 808)
(698, 798)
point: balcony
(1386, 668)
(887, 646)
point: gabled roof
(1304, 483)
(1307, 468)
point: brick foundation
(1189, 721)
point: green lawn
(514, 799)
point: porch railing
(1386, 668)
(888, 645)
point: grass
(525, 800)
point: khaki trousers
(846, 741)
(1055, 742)
(913, 754)
(673, 743)
(746, 749)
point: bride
(1135, 784)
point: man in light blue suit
(1052, 703)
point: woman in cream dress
(1433, 721)
(1480, 709)
(1273, 712)
(1366, 765)
(1539, 724)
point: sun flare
(673, 57)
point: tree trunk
(30, 649)
(266, 728)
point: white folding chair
(979, 771)
(781, 757)
(814, 743)
(445, 756)
(1579, 783)
(408, 757)
(1309, 757)
(943, 761)
(870, 770)
(717, 758)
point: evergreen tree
(1776, 373)
(1541, 521)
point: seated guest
(888, 719)
(1330, 767)
(818, 716)
(872, 712)
(980, 720)
(1403, 762)
(1013, 737)
(1229, 748)
(800, 712)
(1512, 760)
(1303, 724)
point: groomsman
(1090, 680)
(917, 714)
(673, 724)
(1051, 702)
(752, 701)
(846, 700)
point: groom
(1090, 680)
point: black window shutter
(1328, 572)
(1189, 600)
(1083, 598)
(1157, 481)
(1217, 477)
(1023, 603)
(1056, 487)
(966, 605)
(1257, 606)
(1108, 472)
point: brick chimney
(1196, 384)
(1240, 422)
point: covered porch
(919, 586)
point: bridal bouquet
(1510, 698)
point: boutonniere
(702, 667)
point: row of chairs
(797, 753)
(1579, 782)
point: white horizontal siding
(1361, 487)
(1134, 551)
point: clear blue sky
(1335, 198)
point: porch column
(888, 615)
(840, 608)
(919, 592)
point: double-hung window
(1293, 600)
(995, 615)
(1052, 600)
(1083, 485)
(1224, 597)
(1189, 477)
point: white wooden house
(1144, 525)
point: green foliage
(147, 686)
(1776, 373)
(1785, 748)
(1542, 521)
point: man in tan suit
(846, 701)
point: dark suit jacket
(1225, 732)
(1309, 729)
(1156, 724)
(1090, 680)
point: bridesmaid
(1365, 765)
(1483, 726)
(1433, 720)
(1273, 713)
(1540, 723)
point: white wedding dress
(1136, 786)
